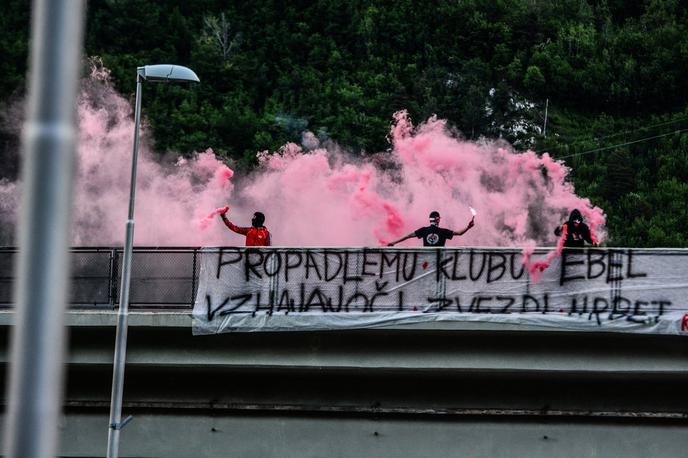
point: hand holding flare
(205, 222)
(473, 212)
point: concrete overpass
(442, 389)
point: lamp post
(152, 73)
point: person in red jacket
(256, 235)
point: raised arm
(471, 223)
(406, 237)
(229, 224)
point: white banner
(279, 289)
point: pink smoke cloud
(536, 267)
(322, 197)
(316, 197)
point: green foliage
(533, 80)
(270, 69)
(14, 22)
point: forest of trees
(611, 72)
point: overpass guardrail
(161, 278)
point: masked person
(575, 231)
(434, 235)
(256, 235)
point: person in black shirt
(575, 231)
(434, 235)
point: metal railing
(161, 277)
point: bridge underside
(455, 390)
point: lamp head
(166, 72)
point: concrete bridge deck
(419, 391)
(437, 389)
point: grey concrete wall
(204, 436)
(462, 390)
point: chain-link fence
(160, 277)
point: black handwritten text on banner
(249, 289)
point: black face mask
(258, 220)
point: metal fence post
(193, 278)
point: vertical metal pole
(41, 290)
(112, 278)
(544, 127)
(122, 316)
(193, 279)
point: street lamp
(152, 73)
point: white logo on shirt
(432, 239)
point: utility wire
(623, 144)
(619, 133)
